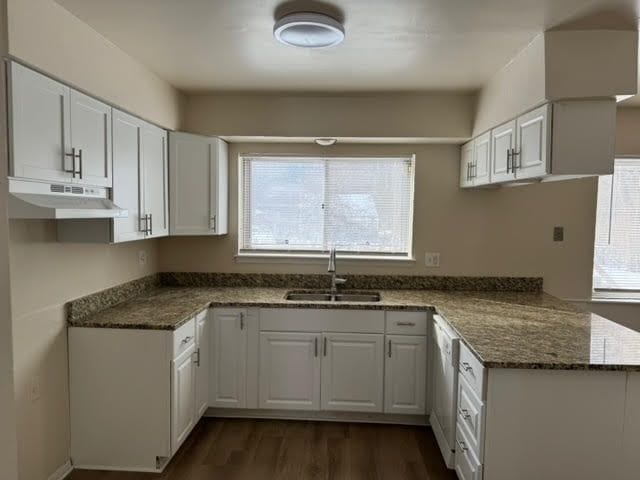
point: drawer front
(472, 370)
(406, 323)
(321, 320)
(184, 337)
(471, 417)
(467, 465)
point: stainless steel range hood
(30, 199)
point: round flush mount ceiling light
(309, 30)
(326, 142)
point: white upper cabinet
(405, 374)
(126, 176)
(352, 372)
(91, 139)
(503, 144)
(57, 133)
(481, 170)
(290, 370)
(545, 143)
(198, 184)
(40, 125)
(531, 156)
(154, 181)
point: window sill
(307, 259)
(614, 297)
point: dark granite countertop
(505, 329)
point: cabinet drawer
(184, 337)
(472, 370)
(471, 417)
(406, 323)
(468, 466)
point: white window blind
(617, 245)
(362, 206)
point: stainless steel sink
(359, 297)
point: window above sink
(300, 206)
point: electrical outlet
(558, 234)
(431, 259)
(142, 258)
(35, 388)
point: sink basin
(361, 297)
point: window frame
(319, 256)
(612, 295)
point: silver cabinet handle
(315, 347)
(73, 156)
(186, 340)
(197, 360)
(80, 160)
(212, 223)
(468, 165)
(324, 346)
(466, 367)
(464, 413)
(509, 152)
(462, 445)
(241, 321)
(474, 170)
(151, 224)
(406, 324)
(389, 348)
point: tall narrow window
(616, 265)
(297, 205)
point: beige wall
(8, 447)
(425, 116)
(478, 232)
(47, 36)
(46, 274)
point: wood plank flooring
(237, 449)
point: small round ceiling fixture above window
(309, 30)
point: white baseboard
(62, 471)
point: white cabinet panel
(155, 179)
(466, 163)
(183, 416)
(352, 372)
(126, 176)
(467, 466)
(40, 127)
(228, 358)
(290, 370)
(91, 138)
(198, 183)
(480, 172)
(503, 142)
(532, 151)
(405, 374)
(202, 364)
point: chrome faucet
(335, 281)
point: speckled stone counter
(505, 329)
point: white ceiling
(391, 45)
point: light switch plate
(558, 234)
(431, 259)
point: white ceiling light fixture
(326, 142)
(309, 30)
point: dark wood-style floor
(237, 449)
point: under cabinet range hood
(29, 199)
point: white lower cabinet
(467, 466)
(202, 363)
(405, 374)
(183, 390)
(352, 372)
(228, 382)
(289, 370)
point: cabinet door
(183, 416)
(503, 142)
(466, 161)
(480, 171)
(40, 126)
(532, 153)
(352, 372)
(290, 370)
(220, 187)
(91, 137)
(202, 364)
(405, 374)
(155, 181)
(228, 358)
(126, 176)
